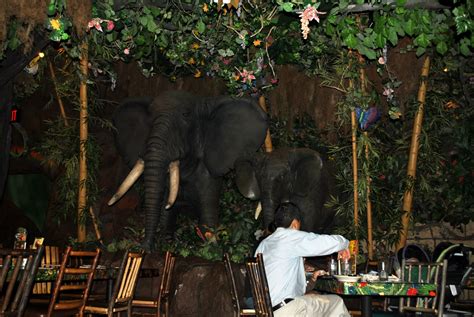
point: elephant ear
(235, 129)
(246, 180)
(308, 165)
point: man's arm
(311, 244)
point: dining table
(367, 290)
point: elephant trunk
(157, 162)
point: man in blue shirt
(283, 254)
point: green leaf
(287, 7)
(464, 49)
(380, 41)
(442, 48)
(143, 20)
(351, 40)
(392, 36)
(420, 51)
(422, 40)
(200, 26)
(409, 27)
(151, 26)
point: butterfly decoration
(367, 118)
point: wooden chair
(17, 274)
(434, 273)
(260, 291)
(73, 283)
(233, 290)
(124, 288)
(161, 303)
(50, 258)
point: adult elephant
(295, 175)
(195, 140)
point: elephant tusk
(174, 183)
(131, 178)
(258, 210)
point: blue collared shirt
(283, 253)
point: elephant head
(299, 176)
(200, 137)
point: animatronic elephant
(299, 176)
(195, 139)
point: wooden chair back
(161, 302)
(165, 285)
(124, 288)
(259, 283)
(432, 273)
(50, 258)
(74, 280)
(238, 311)
(18, 272)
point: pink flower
(95, 23)
(247, 76)
(126, 51)
(226, 61)
(309, 14)
(110, 25)
(387, 91)
(381, 60)
(274, 81)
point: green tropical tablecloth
(375, 288)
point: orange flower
(195, 46)
(191, 61)
(197, 74)
(257, 43)
(205, 8)
(55, 24)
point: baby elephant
(296, 175)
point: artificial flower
(412, 291)
(95, 23)
(381, 60)
(309, 14)
(387, 91)
(247, 76)
(126, 51)
(110, 25)
(195, 46)
(257, 43)
(191, 61)
(55, 24)
(205, 8)
(197, 74)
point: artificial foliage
(242, 43)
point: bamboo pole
(58, 96)
(413, 154)
(370, 243)
(96, 225)
(83, 132)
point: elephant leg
(208, 190)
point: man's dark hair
(285, 214)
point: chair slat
(124, 288)
(432, 273)
(161, 303)
(18, 272)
